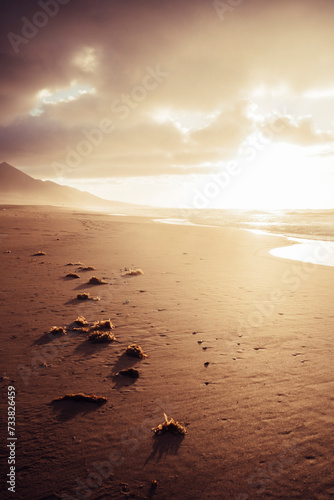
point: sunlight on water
(315, 252)
(260, 231)
(179, 222)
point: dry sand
(259, 416)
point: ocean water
(312, 224)
(318, 252)
(311, 232)
(308, 224)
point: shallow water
(312, 251)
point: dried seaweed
(86, 296)
(81, 329)
(81, 321)
(58, 330)
(80, 325)
(103, 324)
(129, 372)
(100, 337)
(133, 272)
(72, 276)
(88, 398)
(135, 351)
(169, 425)
(94, 280)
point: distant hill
(18, 188)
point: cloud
(227, 131)
(300, 131)
(213, 67)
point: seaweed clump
(88, 398)
(94, 280)
(171, 426)
(72, 276)
(80, 325)
(154, 484)
(58, 330)
(129, 372)
(103, 324)
(86, 296)
(135, 351)
(133, 272)
(81, 321)
(100, 337)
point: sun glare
(319, 94)
(283, 176)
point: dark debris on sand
(87, 398)
(86, 296)
(129, 372)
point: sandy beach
(239, 346)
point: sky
(191, 104)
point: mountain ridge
(17, 187)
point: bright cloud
(71, 93)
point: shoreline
(318, 252)
(310, 250)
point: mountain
(18, 188)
